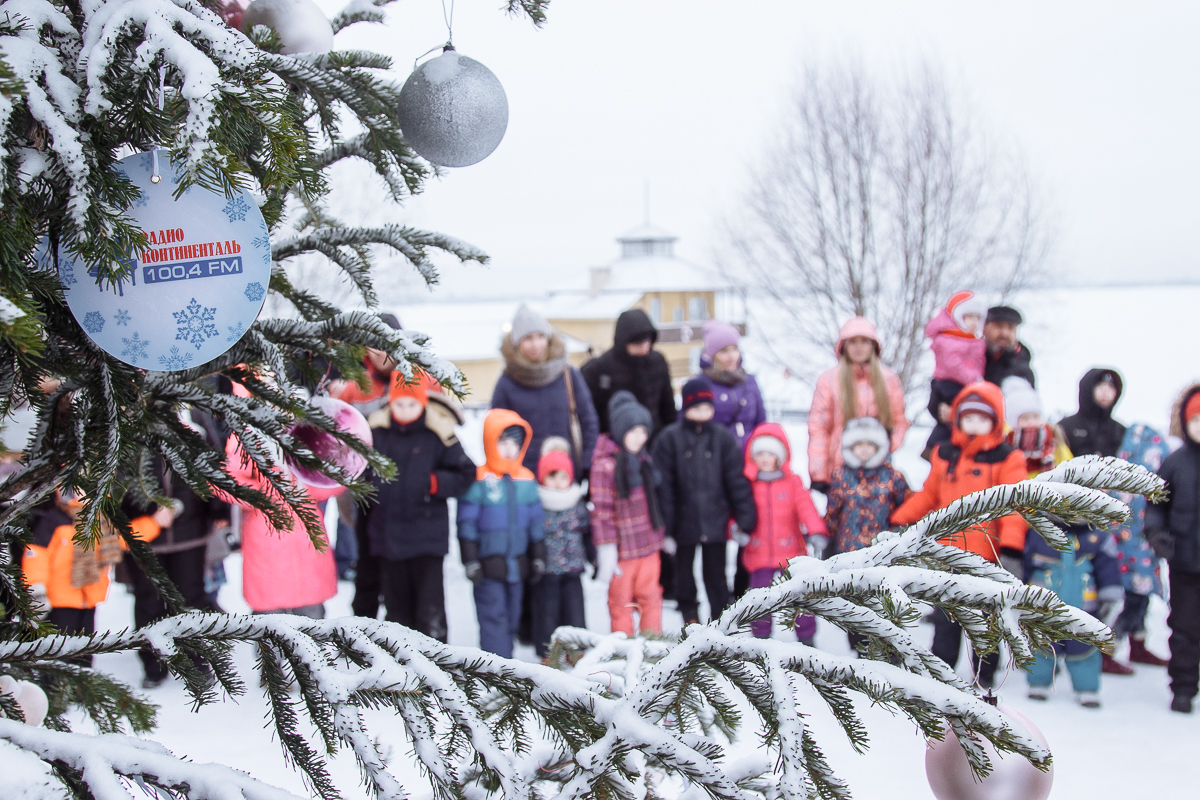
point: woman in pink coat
(282, 573)
(859, 386)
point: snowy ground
(1133, 747)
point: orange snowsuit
(969, 464)
(51, 560)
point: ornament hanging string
(155, 177)
(448, 17)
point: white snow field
(1132, 747)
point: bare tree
(880, 199)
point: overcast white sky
(612, 94)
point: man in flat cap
(1005, 355)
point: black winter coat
(703, 482)
(1007, 363)
(406, 518)
(648, 377)
(1092, 430)
(1179, 514)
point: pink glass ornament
(348, 419)
(1012, 777)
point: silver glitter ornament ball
(453, 110)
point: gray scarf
(535, 374)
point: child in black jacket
(1173, 530)
(408, 525)
(704, 486)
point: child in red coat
(788, 521)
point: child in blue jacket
(500, 530)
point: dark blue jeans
(498, 608)
(557, 601)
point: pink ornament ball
(348, 419)
(1012, 777)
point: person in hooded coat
(535, 385)
(704, 486)
(632, 365)
(500, 530)
(1092, 430)
(977, 457)
(1173, 530)
(859, 386)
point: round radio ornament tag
(195, 289)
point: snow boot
(1041, 693)
(1139, 654)
(1111, 666)
(1181, 704)
(1088, 699)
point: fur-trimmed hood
(531, 374)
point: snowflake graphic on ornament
(195, 324)
(236, 209)
(122, 317)
(66, 272)
(254, 291)
(175, 360)
(93, 322)
(235, 332)
(135, 348)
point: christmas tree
(84, 83)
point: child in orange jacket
(977, 457)
(71, 579)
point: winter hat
(554, 461)
(415, 389)
(964, 303)
(528, 321)
(857, 326)
(624, 414)
(1019, 398)
(865, 429)
(1004, 314)
(513, 433)
(717, 336)
(555, 443)
(975, 404)
(766, 443)
(1192, 407)
(695, 392)
(390, 320)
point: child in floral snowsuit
(865, 490)
(558, 596)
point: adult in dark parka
(1173, 530)
(632, 364)
(704, 485)
(1006, 355)
(1092, 430)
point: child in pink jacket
(959, 357)
(788, 522)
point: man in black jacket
(1173, 530)
(408, 524)
(1092, 430)
(1006, 356)
(703, 485)
(632, 364)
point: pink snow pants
(636, 589)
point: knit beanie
(514, 432)
(1191, 408)
(769, 444)
(974, 404)
(528, 321)
(624, 414)
(552, 462)
(1019, 398)
(695, 392)
(416, 389)
(717, 336)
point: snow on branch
(618, 715)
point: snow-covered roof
(646, 233)
(472, 330)
(579, 304)
(661, 274)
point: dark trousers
(947, 643)
(557, 601)
(74, 622)
(367, 585)
(498, 608)
(666, 575)
(413, 594)
(713, 572)
(741, 578)
(1184, 620)
(185, 568)
(1132, 619)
